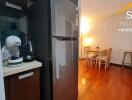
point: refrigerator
(53, 28)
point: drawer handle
(25, 75)
(13, 6)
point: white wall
(2, 92)
(105, 25)
(106, 35)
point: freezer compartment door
(65, 70)
(63, 15)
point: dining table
(98, 51)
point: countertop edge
(7, 71)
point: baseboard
(119, 65)
(116, 64)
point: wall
(23, 24)
(106, 35)
(5, 22)
(104, 28)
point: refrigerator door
(65, 69)
(63, 17)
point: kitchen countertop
(24, 67)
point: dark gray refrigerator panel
(39, 25)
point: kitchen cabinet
(2, 2)
(21, 3)
(15, 4)
(15, 8)
(23, 86)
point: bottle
(30, 48)
(29, 52)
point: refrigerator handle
(62, 38)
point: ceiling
(104, 7)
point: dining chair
(89, 56)
(125, 53)
(105, 58)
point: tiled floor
(110, 84)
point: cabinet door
(2, 2)
(25, 86)
(6, 82)
(16, 4)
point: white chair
(105, 58)
(89, 56)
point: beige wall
(104, 28)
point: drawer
(24, 86)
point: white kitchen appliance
(11, 51)
(2, 90)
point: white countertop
(24, 67)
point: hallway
(112, 84)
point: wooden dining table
(95, 50)
(100, 51)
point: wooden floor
(112, 84)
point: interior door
(65, 80)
